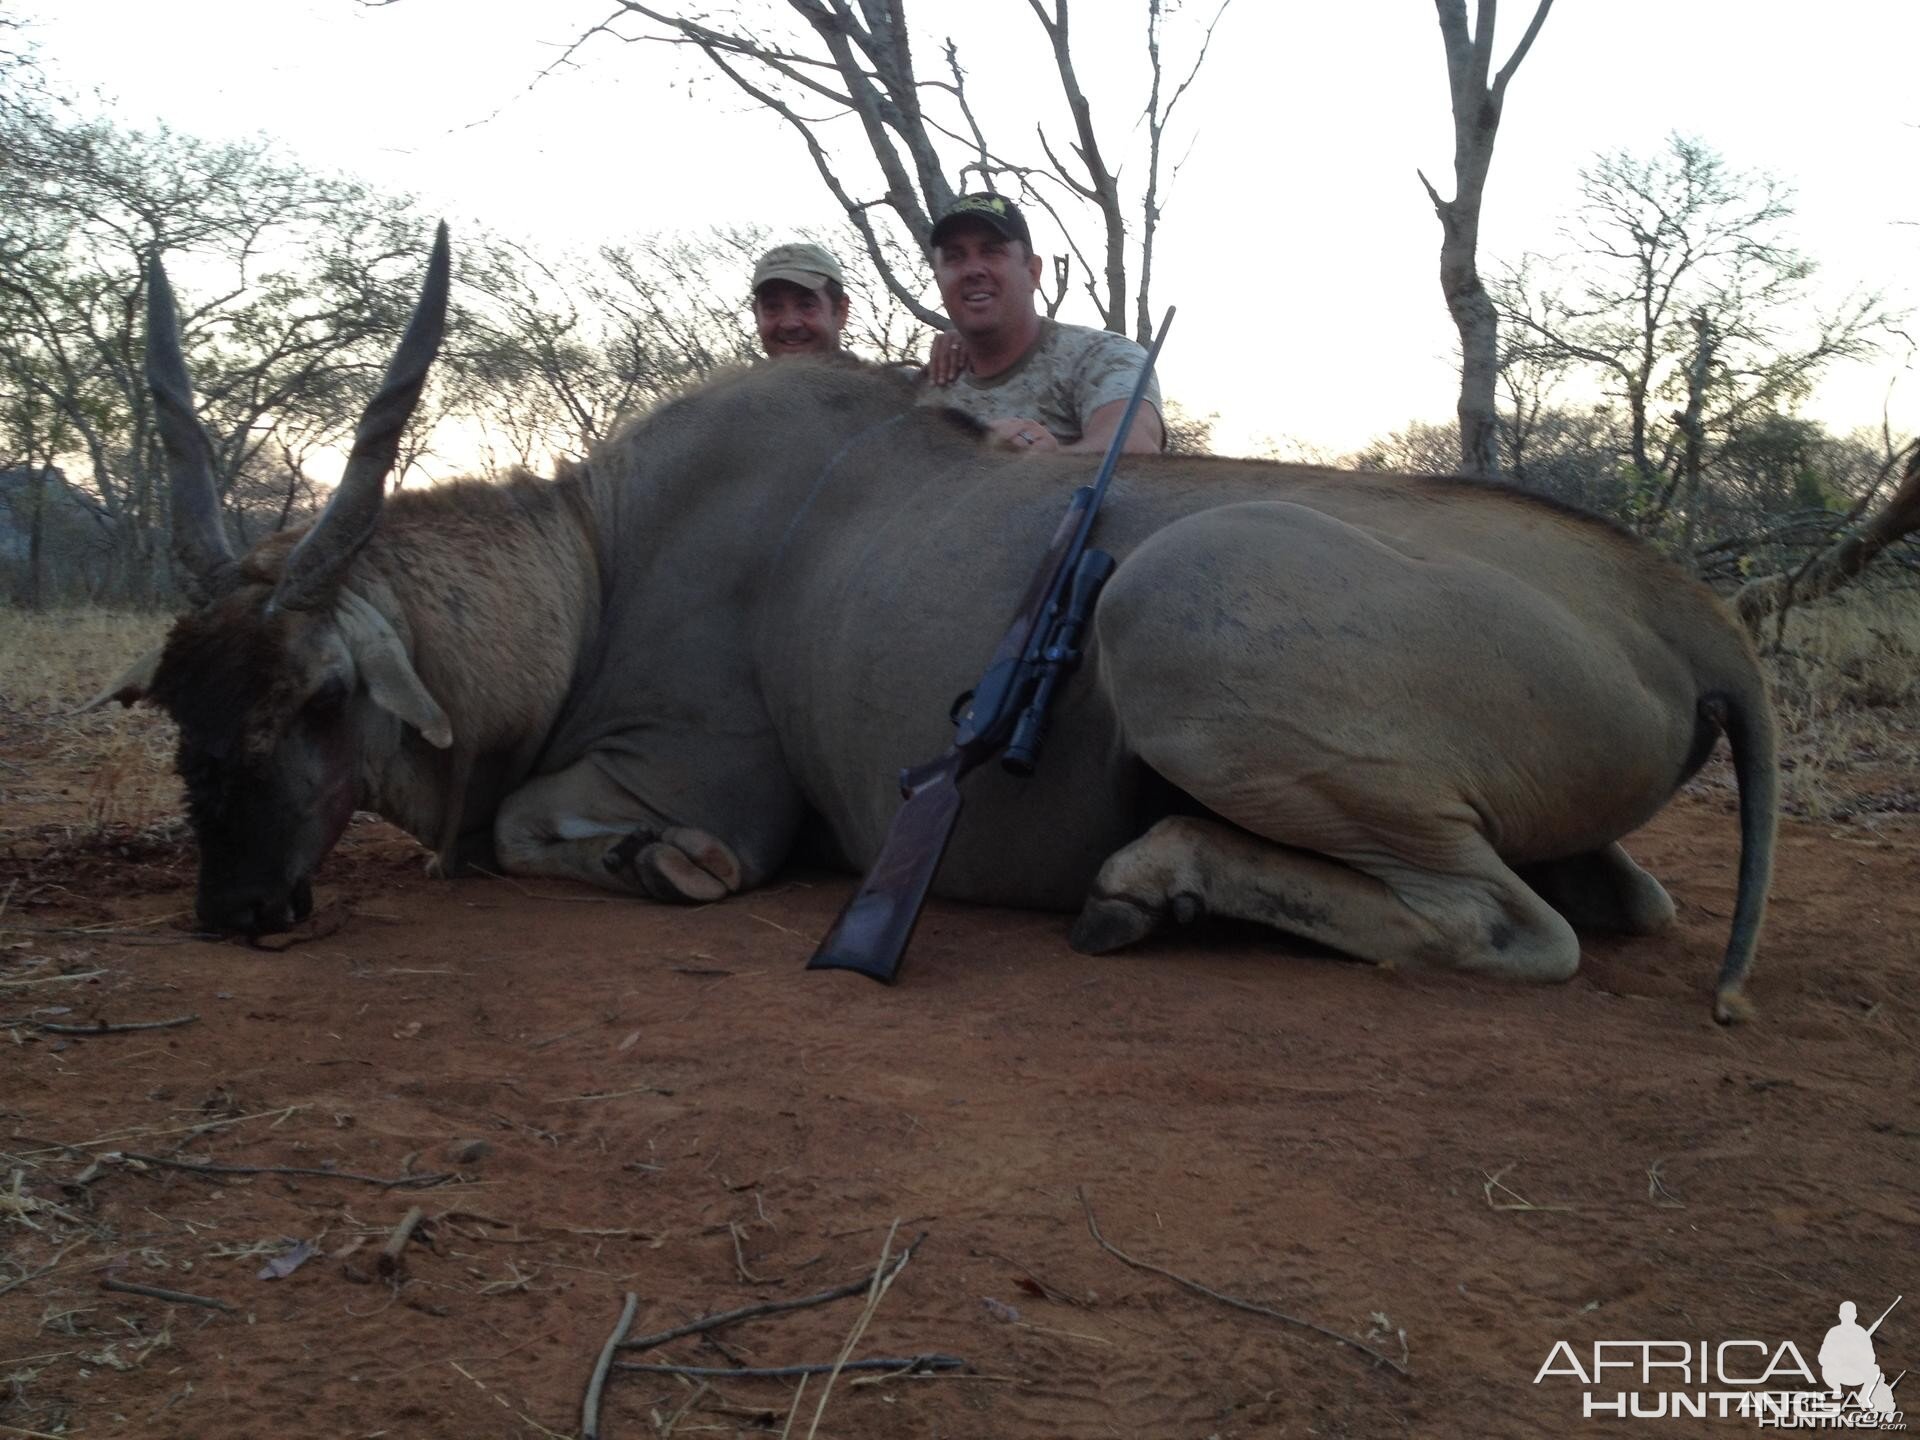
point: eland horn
(318, 561)
(199, 538)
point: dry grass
(115, 766)
(61, 658)
(1846, 683)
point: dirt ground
(588, 1097)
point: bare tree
(1476, 121)
(294, 278)
(1683, 300)
(856, 58)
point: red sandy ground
(675, 1107)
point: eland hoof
(1111, 922)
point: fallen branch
(590, 1407)
(1229, 1300)
(200, 1167)
(771, 1307)
(389, 1261)
(900, 1364)
(172, 1297)
(103, 1028)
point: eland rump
(1407, 717)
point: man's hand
(948, 360)
(1021, 435)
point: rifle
(1883, 1315)
(1006, 711)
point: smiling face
(793, 320)
(987, 283)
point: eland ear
(388, 673)
(130, 686)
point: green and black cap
(996, 212)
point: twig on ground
(1657, 1189)
(883, 1279)
(200, 1126)
(501, 1401)
(48, 979)
(566, 1035)
(199, 1167)
(740, 1257)
(123, 1028)
(172, 1297)
(788, 929)
(680, 1412)
(389, 1262)
(771, 1307)
(794, 1409)
(1046, 1291)
(1249, 1306)
(593, 1095)
(590, 1407)
(903, 1364)
(1519, 1201)
(46, 1269)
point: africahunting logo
(1769, 1382)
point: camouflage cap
(804, 264)
(996, 212)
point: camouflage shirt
(1071, 371)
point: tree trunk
(1695, 439)
(1476, 121)
(34, 596)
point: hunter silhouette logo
(1767, 1381)
(1848, 1364)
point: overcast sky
(1298, 245)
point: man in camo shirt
(1038, 384)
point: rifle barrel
(1884, 1313)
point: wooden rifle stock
(873, 928)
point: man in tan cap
(799, 301)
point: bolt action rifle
(1004, 714)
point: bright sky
(1298, 242)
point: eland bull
(1406, 717)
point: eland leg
(1477, 916)
(570, 826)
(1603, 890)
